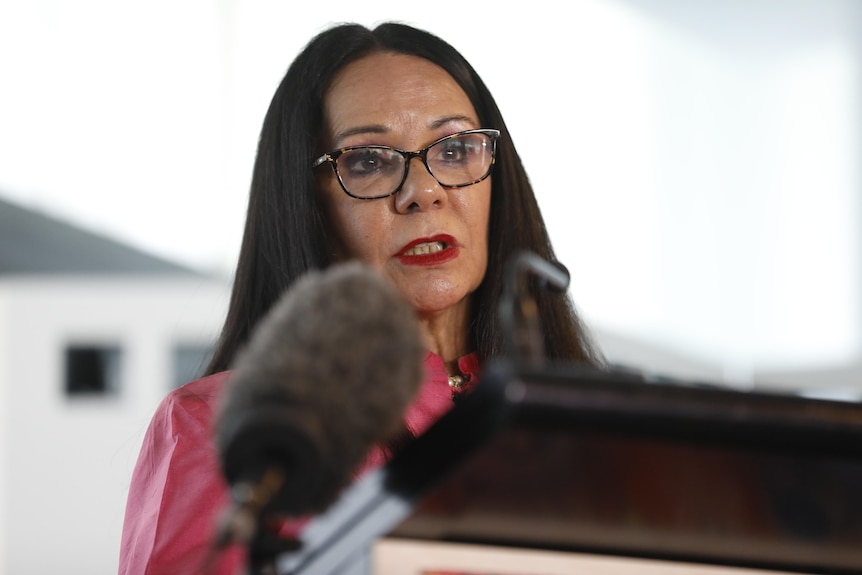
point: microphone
(518, 312)
(327, 374)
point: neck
(446, 334)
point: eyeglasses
(455, 161)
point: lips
(431, 251)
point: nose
(420, 190)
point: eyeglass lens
(378, 171)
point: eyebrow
(380, 129)
(369, 129)
(459, 118)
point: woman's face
(432, 242)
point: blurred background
(697, 163)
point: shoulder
(203, 391)
(192, 405)
(176, 490)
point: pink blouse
(177, 492)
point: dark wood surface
(591, 462)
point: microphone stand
(518, 312)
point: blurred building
(93, 334)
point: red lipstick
(428, 252)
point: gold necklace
(456, 382)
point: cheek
(354, 235)
(486, 229)
(357, 228)
(480, 218)
(483, 239)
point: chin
(435, 303)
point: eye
(368, 162)
(459, 150)
(453, 150)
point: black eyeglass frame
(332, 159)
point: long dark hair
(286, 230)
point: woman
(332, 182)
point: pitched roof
(34, 243)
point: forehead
(393, 92)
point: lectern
(553, 459)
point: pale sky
(697, 162)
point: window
(92, 370)
(189, 362)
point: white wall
(67, 461)
(4, 432)
(717, 195)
